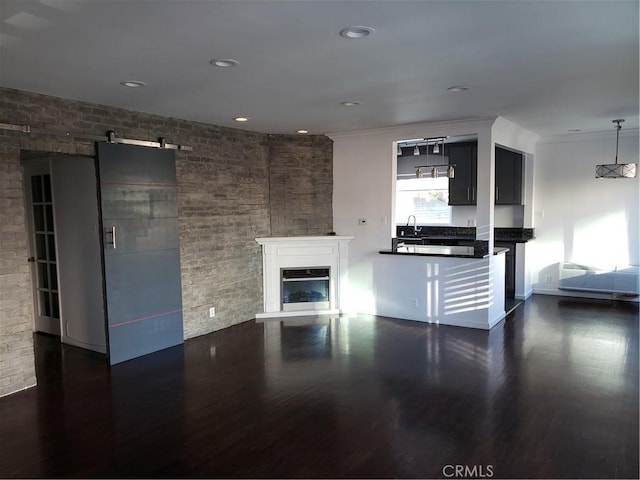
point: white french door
(42, 246)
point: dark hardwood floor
(550, 393)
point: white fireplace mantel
(297, 252)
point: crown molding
(582, 136)
(399, 129)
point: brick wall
(301, 185)
(224, 202)
(17, 366)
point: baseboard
(18, 390)
(497, 319)
(469, 324)
(297, 313)
(525, 296)
(580, 294)
(87, 346)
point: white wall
(579, 218)
(504, 216)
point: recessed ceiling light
(350, 104)
(357, 31)
(457, 89)
(133, 84)
(241, 119)
(224, 62)
(303, 131)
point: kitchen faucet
(416, 229)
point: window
(426, 198)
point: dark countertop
(501, 234)
(496, 238)
(439, 251)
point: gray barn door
(141, 250)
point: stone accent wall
(224, 202)
(301, 185)
(17, 365)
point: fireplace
(305, 288)
(304, 275)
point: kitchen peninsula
(446, 284)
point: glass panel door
(43, 248)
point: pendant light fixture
(617, 170)
(451, 172)
(435, 169)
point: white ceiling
(550, 66)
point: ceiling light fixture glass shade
(435, 170)
(224, 62)
(356, 31)
(617, 170)
(133, 84)
(451, 171)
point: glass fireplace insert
(305, 288)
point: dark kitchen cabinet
(462, 188)
(510, 268)
(508, 177)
